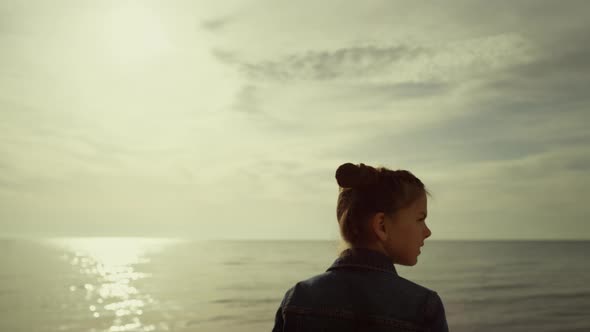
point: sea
(163, 284)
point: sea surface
(148, 284)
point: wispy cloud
(216, 24)
(329, 65)
(389, 63)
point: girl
(381, 214)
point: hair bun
(349, 175)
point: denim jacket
(361, 291)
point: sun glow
(135, 34)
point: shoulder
(426, 302)
(312, 283)
(310, 288)
(430, 298)
(414, 287)
(433, 307)
(317, 284)
(393, 297)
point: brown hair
(365, 191)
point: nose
(427, 232)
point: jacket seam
(350, 315)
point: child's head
(382, 209)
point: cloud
(375, 96)
(225, 56)
(400, 82)
(536, 195)
(491, 97)
(216, 24)
(535, 180)
(247, 100)
(329, 65)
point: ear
(378, 226)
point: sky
(228, 119)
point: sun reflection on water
(110, 267)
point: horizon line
(106, 236)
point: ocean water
(138, 284)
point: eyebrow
(425, 214)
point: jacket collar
(364, 258)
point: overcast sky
(228, 119)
